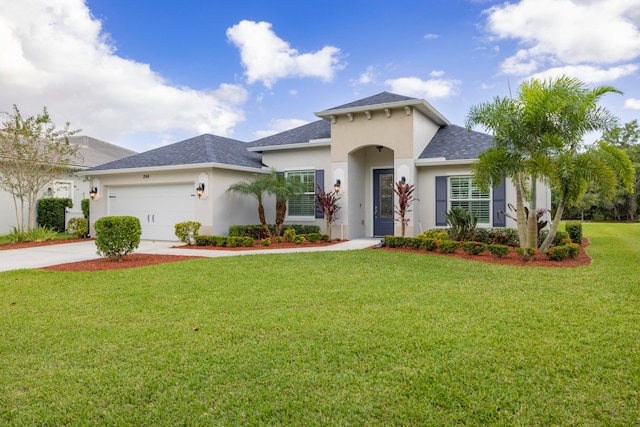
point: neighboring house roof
(198, 150)
(319, 129)
(94, 152)
(456, 143)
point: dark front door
(382, 202)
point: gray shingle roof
(455, 143)
(381, 98)
(315, 130)
(94, 152)
(200, 149)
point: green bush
(205, 240)
(187, 231)
(574, 229)
(257, 232)
(527, 253)
(299, 239)
(289, 235)
(394, 241)
(437, 234)
(314, 237)
(117, 236)
(266, 241)
(430, 244)
(561, 238)
(499, 251)
(279, 239)
(40, 234)
(85, 204)
(16, 235)
(462, 222)
(504, 236)
(79, 227)
(481, 235)
(574, 250)
(448, 246)
(51, 212)
(558, 253)
(473, 248)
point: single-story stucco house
(365, 146)
(91, 152)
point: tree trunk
(555, 224)
(263, 219)
(521, 219)
(532, 221)
(281, 211)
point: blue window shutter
(499, 205)
(441, 200)
(319, 183)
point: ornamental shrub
(266, 241)
(527, 253)
(51, 212)
(558, 253)
(117, 236)
(79, 227)
(299, 239)
(574, 229)
(448, 246)
(85, 204)
(187, 231)
(500, 251)
(394, 241)
(437, 234)
(473, 248)
(289, 235)
(205, 240)
(504, 236)
(481, 235)
(574, 250)
(413, 242)
(430, 244)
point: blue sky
(147, 73)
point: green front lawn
(330, 338)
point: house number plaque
(145, 176)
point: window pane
(303, 205)
(466, 195)
(386, 195)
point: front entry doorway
(382, 202)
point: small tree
(32, 154)
(328, 203)
(255, 187)
(283, 188)
(404, 192)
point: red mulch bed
(512, 258)
(141, 260)
(129, 261)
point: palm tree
(544, 123)
(282, 188)
(255, 187)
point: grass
(356, 338)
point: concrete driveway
(44, 256)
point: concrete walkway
(44, 256)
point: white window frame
(303, 218)
(473, 188)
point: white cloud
(567, 32)
(369, 76)
(268, 58)
(279, 125)
(431, 36)
(428, 89)
(56, 54)
(589, 74)
(633, 104)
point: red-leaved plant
(404, 192)
(328, 203)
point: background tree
(328, 203)
(32, 154)
(256, 187)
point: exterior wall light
(403, 180)
(337, 186)
(200, 190)
(93, 193)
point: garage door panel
(158, 207)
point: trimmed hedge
(117, 236)
(561, 238)
(257, 232)
(500, 251)
(51, 212)
(574, 229)
(473, 248)
(186, 231)
(79, 227)
(85, 204)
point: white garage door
(158, 207)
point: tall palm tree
(255, 187)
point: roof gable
(200, 149)
(93, 152)
(456, 143)
(381, 98)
